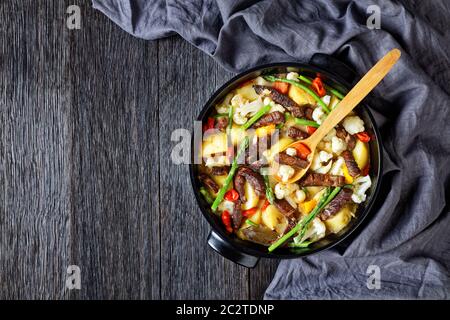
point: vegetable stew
(244, 176)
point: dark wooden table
(85, 173)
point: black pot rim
(361, 216)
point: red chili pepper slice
(209, 124)
(226, 220)
(317, 85)
(281, 87)
(310, 130)
(302, 150)
(265, 205)
(231, 195)
(363, 136)
(249, 212)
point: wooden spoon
(350, 101)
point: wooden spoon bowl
(350, 101)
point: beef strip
(284, 100)
(318, 179)
(296, 133)
(293, 161)
(347, 137)
(258, 164)
(342, 198)
(245, 173)
(351, 164)
(309, 109)
(275, 117)
(285, 208)
(220, 171)
(236, 215)
(208, 182)
(221, 123)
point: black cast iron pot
(246, 253)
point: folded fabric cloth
(407, 236)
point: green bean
(304, 122)
(304, 244)
(256, 117)
(228, 179)
(250, 222)
(303, 224)
(269, 191)
(327, 87)
(220, 115)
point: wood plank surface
(35, 216)
(189, 270)
(86, 176)
(115, 169)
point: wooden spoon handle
(359, 91)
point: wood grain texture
(34, 222)
(85, 171)
(115, 172)
(189, 270)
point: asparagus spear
(256, 117)
(304, 122)
(303, 224)
(228, 179)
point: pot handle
(335, 66)
(227, 251)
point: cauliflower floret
(282, 190)
(300, 196)
(276, 107)
(291, 152)
(238, 100)
(324, 169)
(250, 108)
(318, 115)
(325, 156)
(360, 186)
(326, 99)
(222, 108)
(246, 109)
(285, 172)
(330, 135)
(239, 119)
(321, 162)
(316, 163)
(315, 231)
(226, 205)
(336, 169)
(353, 124)
(292, 76)
(338, 145)
(260, 81)
(267, 101)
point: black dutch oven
(247, 253)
